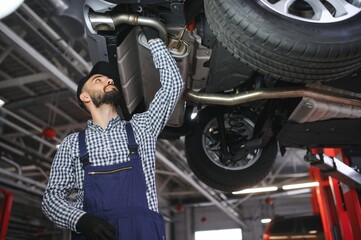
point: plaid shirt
(109, 146)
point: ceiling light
(7, 7)
(266, 220)
(300, 185)
(256, 190)
(2, 102)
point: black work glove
(150, 33)
(94, 228)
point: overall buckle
(133, 150)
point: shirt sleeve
(160, 109)
(55, 204)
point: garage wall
(198, 219)
(193, 219)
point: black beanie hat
(103, 68)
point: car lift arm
(337, 198)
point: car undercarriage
(258, 78)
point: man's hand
(150, 33)
(94, 228)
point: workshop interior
(263, 143)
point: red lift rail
(337, 198)
(5, 210)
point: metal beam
(32, 118)
(5, 54)
(55, 37)
(38, 129)
(26, 153)
(61, 113)
(279, 169)
(27, 133)
(32, 54)
(40, 99)
(12, 149)
(46, 43)
(37, 184)
(21, 187)
(223, 206)
(220, 200)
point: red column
(353, 205)
(325, 203)
(5, 211)
(343, 218)
(338, 204)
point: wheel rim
(316, 11)
(211, 143)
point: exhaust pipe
(237, 99)
(105, 22)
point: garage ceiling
(39, 67)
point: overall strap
(83, 151)
(132, 145)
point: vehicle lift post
(5, 210)
(337, 199)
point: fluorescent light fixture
(229, 234)
(297, 191)
(2, 102)
(256, 190)
(300, 185)
(266, 220)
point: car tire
(283, 47)
(211, 171)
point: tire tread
(282, 58)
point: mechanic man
(111, 166)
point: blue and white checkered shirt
(109, 146)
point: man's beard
(111, 98)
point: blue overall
(117, 193)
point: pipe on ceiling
(12, 163)
(25, 152)
(21, 187)
(49, 45)
(34, 56)
(27, 133)
(23, 120)
(23, 179)
(55, 37)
